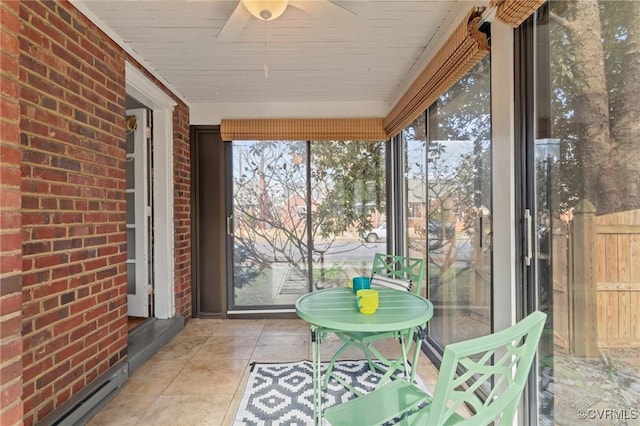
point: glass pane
(270, 225)
(130, 137)
(130, 172)
(587, 219)
(131, 208)
(131, 278)
(131, 243)
(348, 209)
(415, 175)
(273, 201)
(458, 229)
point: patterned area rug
(282, 394)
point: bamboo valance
(460, 53)
(515, 12)
(296, 129)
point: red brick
(10, 263)
(11, 349)
(36, 369)
(11, 370)
(10, 197)
(10, 325)
(10, 242)
(10, 155)
(12, 415)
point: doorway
(149, 96)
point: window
(457, 228)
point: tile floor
(199, 376)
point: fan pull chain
(265, 67)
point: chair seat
(383, 404)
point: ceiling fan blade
(324, 9)
(235, 24)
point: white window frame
(503, 170)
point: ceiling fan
(266, 10)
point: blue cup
(361, 283)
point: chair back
(398, 272)
(504, 357)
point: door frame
(146, 92)
(138, 302)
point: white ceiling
(317, 68)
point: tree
(276, 192)
(595, 69)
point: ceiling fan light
(266, 10)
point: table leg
(316, 340)
(406, 340)
(406, 348)
(420, 333)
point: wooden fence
(596, 281)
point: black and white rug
(282, 393)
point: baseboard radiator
(79, 408)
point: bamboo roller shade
(296, 129)
(514, 12)
(460, 53)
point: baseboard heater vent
(79, 409)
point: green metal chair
(397, 272)
(499, 363)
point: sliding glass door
(583, 197)
(302, 216)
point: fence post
(584, 285)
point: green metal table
(334, 310)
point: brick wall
(182, 211)
(73, 204)
(10, 220)
(62, 225)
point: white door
(139, 210)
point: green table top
(335, 309)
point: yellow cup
(367, 301)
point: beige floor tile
(220, 349)
(284, 340)
(180, 348)
(280, 353)
(233, 340)
(123, 410)
(239, 328)
(211, 377)
(429, 375)
(281, 348)
(201, 327)
(285, 326)
(153, 377)
(182, 410)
